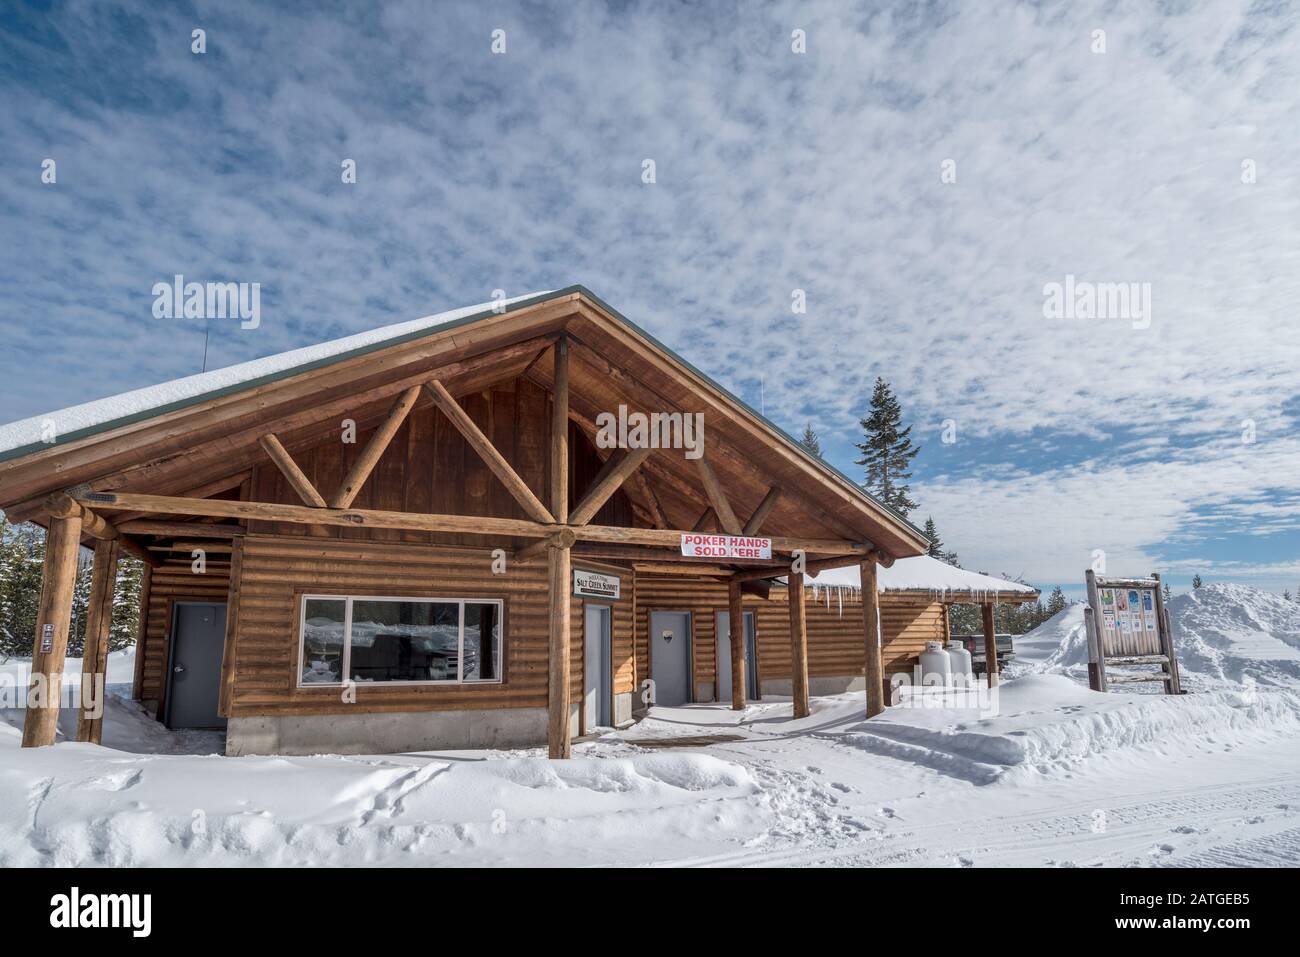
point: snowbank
(1047, 723)
(1228, 633)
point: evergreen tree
(1286, 594)
(1168, 591)
(22, 555)
(887, 450)
(1056, 602)
(1196, 581)
(126, 604)
(936, 544)
(810, 441)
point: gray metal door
(596, 666)
(194, 671)
(670, 656)
(723, 620)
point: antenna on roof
(207, 329)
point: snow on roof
(140, 403)
(922, 573)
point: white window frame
(347, 639)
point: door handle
(178, 669)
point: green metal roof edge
(432, 330)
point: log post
(874, 670)
(94, 660)
(990, 644)
(559, 563)
(560, 435)
(141, 632)
(798, 647)
(736, 613)
(53, 617)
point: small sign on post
(1127, 624)
(704, 545)
(47, 638)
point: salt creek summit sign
(594, 585)
(726, 546)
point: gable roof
(90, 418)
(126, 430)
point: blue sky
(775, 171)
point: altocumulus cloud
(775, 171)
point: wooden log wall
(835, 639)
(169, 583)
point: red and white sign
(725, 546)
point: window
(404, 640)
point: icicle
(841, 596)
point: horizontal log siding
(835, 639)
(172, 582)
(276, 570)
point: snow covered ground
(1056, 775)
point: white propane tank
(963, 672)
(936, 667)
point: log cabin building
(412, 539)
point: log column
(874, 671)
(94, 660)
(559, 562)
(53, 617)
(736, 612)
(990, 645)
(798, 646)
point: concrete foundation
(623, 708)
(389, 733)
(831, 684)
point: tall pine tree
(810, 441)
(1056, 602)
(1196, 581)
(887, 450)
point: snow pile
(1226, 633)
(1042, 724)
(1057, 646)
(155, 398)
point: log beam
(297, 479)
(375, 448)
(564, 538)
(717, 497)
(420, 522)
(53, 617)
(798, 647)
(608, 481)
(873, 672)
(94, 660)
(764, 508)
(494, 460)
